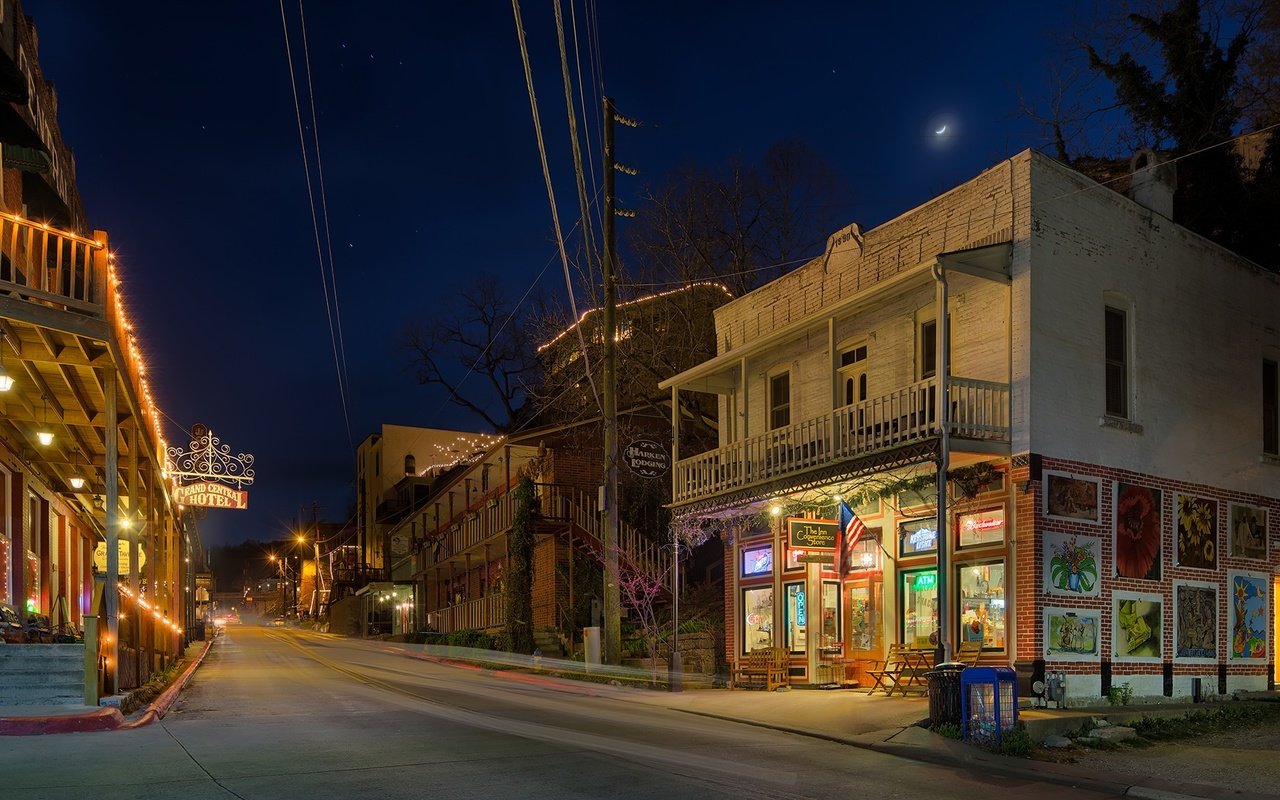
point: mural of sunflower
(1196, 522)
(1138, 532)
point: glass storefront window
(757, 618)
(866, 553)
(919, 608)
(918, 536)
(757, 560)
(982, 604)
(797, 617)
(830, 613)
(980, 528)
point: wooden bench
(765, 667)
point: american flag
(851, 531)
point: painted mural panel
(1137, 532)
(1247, 616)
(1071, 564)
(1137, 626)
(1196, 543)
(1072, 497)
(1248, 531)
(1196, 614)
(1072, 634)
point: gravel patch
(1244, 759)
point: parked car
(278, 622)
(11, 628)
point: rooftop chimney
(1152, 182)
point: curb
(106, 718)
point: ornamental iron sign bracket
(209, 460)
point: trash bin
(944, 694)
(989, 698)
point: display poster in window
(757, 560)
(918, 536)
(813, 535)
(982, 527)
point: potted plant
(1074, 567)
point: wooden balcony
(979, 410)
(479, 534)
(487, 612)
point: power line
(551, 196)
(315, 225)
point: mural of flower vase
(1073, 580)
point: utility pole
(612, 633)
(612, 595)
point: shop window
(918, 536)
(866, 553)
(797, 617)
(982, 617)
(794, 554)
(919, 608)
(757, 560)
(980, 528)
(830, 613)
(757, 618)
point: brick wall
(550, 593)
(1032, 596)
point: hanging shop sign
(813, 534)
(647, 458)
(211, 495)
(209, 460)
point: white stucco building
(1102, 393)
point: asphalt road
(279, 713)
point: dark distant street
(279, 713)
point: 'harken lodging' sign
(813, 534)
(211, 495)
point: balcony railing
(561, 503)
(40, 263)
(978, 410)
(487, 612)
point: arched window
(410, 465)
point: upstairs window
(927, 341)
(1117, 358)
(780, 400)
(1270, 408)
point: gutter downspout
(944, 458)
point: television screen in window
(757, 560)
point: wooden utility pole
(612, 633)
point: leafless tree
(479, 354)
(741, 225)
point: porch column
(111, 474)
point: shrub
(1016, 742)
(1120, 695)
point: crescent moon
(941, 130)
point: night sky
(181, 118)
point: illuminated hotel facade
(81, 449)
